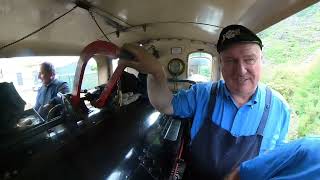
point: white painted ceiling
(200, 20)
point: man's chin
(243, 88)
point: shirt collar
(226, 91)
(253, 100)
(255, 97)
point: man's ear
(52, 76)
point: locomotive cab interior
(111, 131)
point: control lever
(112, 52)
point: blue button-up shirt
(242, 121)
(296, 160)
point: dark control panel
(154, 156)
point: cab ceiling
(127, 21)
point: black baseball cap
(236, 34)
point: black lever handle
(125, 54)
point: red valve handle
(96, 48)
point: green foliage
(94, 67)
(293, 68)
(280, 79)
(308, 102)
(293, 39)
(205, 71)
(300, 86)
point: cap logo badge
(230, 34)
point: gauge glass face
(176, 67)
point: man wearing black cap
(234, 119)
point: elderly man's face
(241, 68)
(45, 76)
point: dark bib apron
(215, 151)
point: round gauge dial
(176, 67)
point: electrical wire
(169, 22)
(94, 19)
(110, 14)
(36, 31)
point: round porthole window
(176, 67)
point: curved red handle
(102, 48)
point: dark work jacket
(48, 93)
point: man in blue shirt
(47, 94)
(233, 120)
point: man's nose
(241, 68)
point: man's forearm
(159, 94)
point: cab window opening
(199, 66)
(25, 75)
(128, 69)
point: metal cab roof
(126, 21)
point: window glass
(128, 69)
(25, 74)
(200, 66)
(90, 78)
(19, 79)
(114, 64)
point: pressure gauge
(176, 67)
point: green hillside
(292, 67)
(294, 38)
